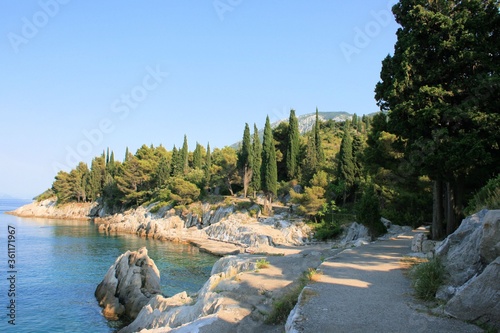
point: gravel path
(364, 290)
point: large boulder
(479, 299)
(471, 259)
(128, 285)
(474, 245)
(168, 313)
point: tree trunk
(247, 177)
(268, 204)
(229, 187)
(455, 205)
(437, 210)
(451, 219)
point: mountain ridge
(306, 122)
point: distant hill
(306, 122)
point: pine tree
(257, 160)
(345, 167)
(269, 168)
(320, 154)
(293, 146)
(245, 160)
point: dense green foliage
(441, 92)
(269, 168)
(487, 197)
(293, 147)
(435, 143)
(368, 212)
(245, 160)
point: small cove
(59, 264)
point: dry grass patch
(407, 263)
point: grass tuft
(262, 263)
(427, 277)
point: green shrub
(160, 205)
(183, 192)
(262, 263)
(326, 231)
(48, 194)
(487, 197)
(426, 278)
(369, 212)
(243, 205)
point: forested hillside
(434, 144)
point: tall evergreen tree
(269, 168)
(198, 157)
(96, 178)
(346, 166)
(107, 156)
(320, 154)
(185, 156)
(208, 165)
(257, 160)
(280, 136)
(310, 163)
(111, 165)
(176, 164)
(245, 159)
(162, 172)
(293, 146)
(127, 153)
(441, 90)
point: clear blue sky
(100, 67)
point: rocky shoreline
(239, 294)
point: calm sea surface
(59, 263)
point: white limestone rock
(128, 285)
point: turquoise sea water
(59, 263)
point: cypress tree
(269, 168)
(176, 163)
(162, 172)
(346, 167)
(208, 165)
(245, 157)
(126, 155)
(257, 160)
(107, 156)
(320, 154)
(310, 163)
(293, 145)
(184, 156)
(110, 166)
(198, 157)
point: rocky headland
(49, 209)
